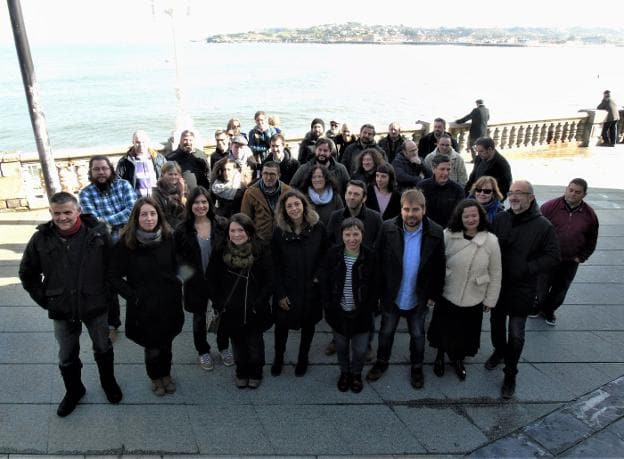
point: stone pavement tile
(217, 430)
(608, 231)
(558, 431)
(512, 446)
(301, 429)
(614, 337)
(394, 386)
(600, 346)
(27, 348)
(162, 429)
(605, 258)
(13, 294)
(24, 319)
(595, 293)
(24, 429)
(582, 317)
(373, 429)
(598, 409)
(566, 346)
(593, 274)
(532, 385)
(577, 379)
(609, 216)
(603, 444)
(318, 386)
(498, 420)
(610, 370)
(480, 385)
(441, 429)
(27, 383)
(213, 388)
(610, 243)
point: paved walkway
(569, 401)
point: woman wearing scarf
(240, 271)
(170, 193)
(322, 192)
(228, 187)
(486, 192)
(297, 246)
(143, 270)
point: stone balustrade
(21, 180)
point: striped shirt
(113, 206)
(347, 302)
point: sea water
(98, 95)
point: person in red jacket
(576, 225)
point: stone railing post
(592, 129)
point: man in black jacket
(490, 162)
(141, 165)
(279, 154)
(412, 265)
(64, 271)
(428, 142)
(479, 118)
(529, 247)
(441, 193)
(195, 170)
(366, 140)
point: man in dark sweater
(441, 193)
(195, 170)
(490, 162)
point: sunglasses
(483, 190)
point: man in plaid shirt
(110, 200)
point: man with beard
(490, 162)
(260, 199)
(306, 147)
(222, 142)
(427, 143)
(195, 170)
(141, 164)
(333, 130)
(279, 154)
(393, 142)
(324, 152)
(366, 140)
(109, 199)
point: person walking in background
(609, 126)
(64, 269)
(141, 165)
(529, 248)
(240, 289)
(485, 191)
(109, 199)
(349, 279)
(490, 162)
(479, 118)
(170, 193)
(471, 287)
(143, 270)
(576, 225)
(411, 249)
(298, 245)
(196, 237)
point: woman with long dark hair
(472, 285)
(196, 237)
(382, 196)
(322, 192)
(366, 165)
(240, 273)
(297, 246)
(144, 271)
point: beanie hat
(317, 121)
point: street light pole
(35, 109)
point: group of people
(347, 238)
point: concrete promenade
(569, 400)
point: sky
(144, 21)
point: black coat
(195, 170)
(432, 267)
(364, 282)
(288, 166)
(479, 118)
(65, 289)
(242, 295)
(428, 143)
(296, 259)
(497, 167)
(228, 207)
(146, 278)
(407, 173)
(189, 254)
(394, 206)
(372, 224)
(441, 199)
(529, 247)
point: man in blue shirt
(411, 249)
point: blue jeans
(508, 343)
(416, 326)
(359, 345)
(67, 334)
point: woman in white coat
(472, 285)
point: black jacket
(146, 278)
(364, 282)
(68, 290)
(296, 260)
(392, 147)
(432, 267)
(529, 247)
(441, 199)
(372, 224)
(125, 166)
(288, 166)
(428, 143)
(306, 148)
(189, 254)
(352, 152)
(394, 206)
(496, 167)
(195, 170)
(479, 118)
(407, 173)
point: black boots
(74, 390)
(105, 364)
(438, 364)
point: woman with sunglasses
(486, 192)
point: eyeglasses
(483, 190)
(518, 193)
